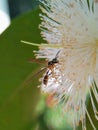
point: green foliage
(17, 101)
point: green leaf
(17, 101)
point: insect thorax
(52, 62)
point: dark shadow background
(18, 7)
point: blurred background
(21, 6)
(22, 106)
(10, 9)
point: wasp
(49, 70)
(50, 67)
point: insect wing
(27, 83)
(30, 78)
(41, 62)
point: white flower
(71, 27)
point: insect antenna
(57, 54)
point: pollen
(72, 28)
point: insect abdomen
(45, 80)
